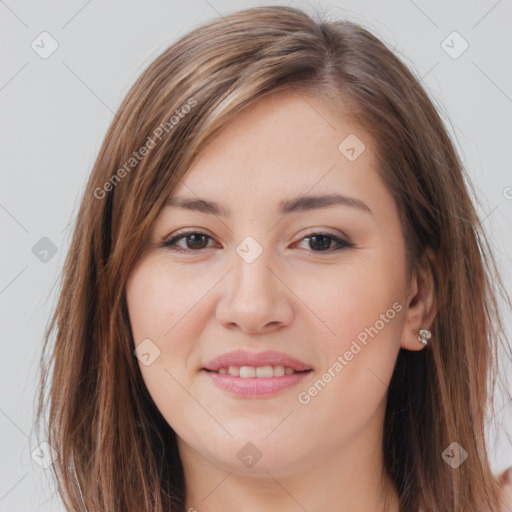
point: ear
(421, 307)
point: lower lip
(255, 386)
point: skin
(299, 297)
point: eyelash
(171, 244)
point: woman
(278, 294)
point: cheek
(152, 312)
(166, 307)
(157, 299)
(352, 299)
(351, 386)
(154, 308)
(363, 307)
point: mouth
(243, 363)
(258, 372)
(256, 382)
(248, 374)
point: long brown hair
(115, 452)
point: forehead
(284, 146)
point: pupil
(196, 235)
(325, 238)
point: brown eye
(194, 241)
(321, 242)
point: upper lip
(245, 358)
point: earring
(424, 336)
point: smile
(254, 382)
(246, 372)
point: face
(273, 319)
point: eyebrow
(298, 204)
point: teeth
(264, 371)
(279, 370)
(246, 372)
(234, 371)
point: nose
(255, 299)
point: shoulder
(505, 481)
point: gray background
(55, 111)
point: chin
(261, 454)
